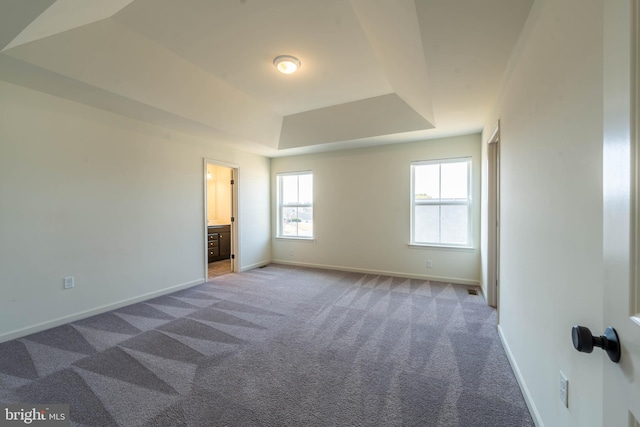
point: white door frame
(621, 210)
(235, 249)
(493, 217)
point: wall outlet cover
(564, 390)
(69, 282)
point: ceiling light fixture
(286, 64)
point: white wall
(362, 206)
(551, 274)
(115, 202)
(218, 195)
(211, 195)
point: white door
(234, 214)
(621, 214)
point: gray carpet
(277, 346)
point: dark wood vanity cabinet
(225, 244)
(213, 245)
(218, 242)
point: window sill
(434, 246)
(304, 239)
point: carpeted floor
(277, 346)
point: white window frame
(281, 206)
(440, 202)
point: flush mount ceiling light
(286, 64)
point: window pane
(290, 221)
(441, 202)
(426, 182)
(454, 180)
(289, 189)
(427, 224)
(295, 191)
(306, 188)
(454, 221)
(305, 222)
(297, 222)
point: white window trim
(281, 206)
(468, 202)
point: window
(295, 205)
(441, 202)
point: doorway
(493, 229)
(220, 196)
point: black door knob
(584, 341)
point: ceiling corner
(63, 15)
(393, 31)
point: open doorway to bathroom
(220, 223)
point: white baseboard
(523, 386)
(92, 312)
(381, 272)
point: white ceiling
(373, 71)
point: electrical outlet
(291, 252)
(564, 390)
(429, 263)
(69, 282)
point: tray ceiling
(373, 71)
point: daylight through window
(441, 202)
(295, 205)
